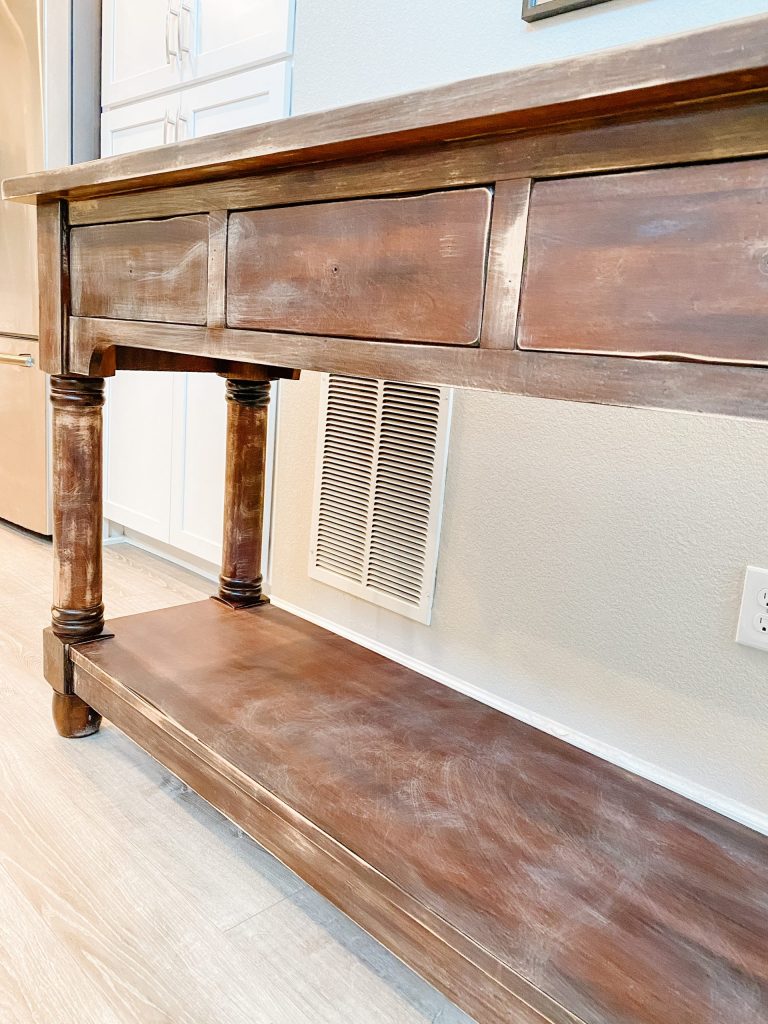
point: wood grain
(218, 223)
(505, 263)
(245, 481)
(609, 896)
(604, 380)
(33, 965)
(108, 361)
(715, 130)
(156, 941)
(426, 942)
(725, 59)
(78, 610)
(341, 879)
(146, 952)
(684, 133)
(411, 268)
(670, 262)
(145, 270)
(53, 285)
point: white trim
(168, 553)
(715, 801)
(55, 29)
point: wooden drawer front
(409, 268)
(654, 263)
(142, 270)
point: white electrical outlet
(753, 617)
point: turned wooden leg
(240, 580)
(77, 613)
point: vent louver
(379, 490)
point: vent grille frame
(380, 471)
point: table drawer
(142, 270)
(409, 268)
(670, 262)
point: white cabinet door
(155, 46)
(198, 465)
(141, 125)
(138, 425)
(251, 97)
(231, 34)
(199, 446)
(140, 48)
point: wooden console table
(594, 230)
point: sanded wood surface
(712, 130)
(724, 59)
(143, 270)
(506, 260)
(666, 262)
(606, 380)
(53, 284)
(617, 900)
(245, 480)
(76, 436)
(410, 268)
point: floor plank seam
(264, 910)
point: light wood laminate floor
(126, 898)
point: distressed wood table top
(718, 61)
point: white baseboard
(724, 805)
(165, 551)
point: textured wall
(591, 558)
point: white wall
(591, 560)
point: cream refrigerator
(24, 474)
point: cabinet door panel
(153, 46)
(197, 495)
(137, 452)
(237, 101)
(231, 34)
(139, 126)
(138, 40)
(199, 448)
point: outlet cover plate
(749, 632)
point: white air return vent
(379, 490)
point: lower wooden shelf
(528, 880)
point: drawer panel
(410, 268)
(142, 270)
(670, 262)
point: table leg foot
(72, 716)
